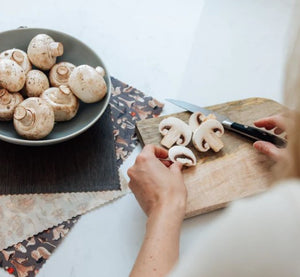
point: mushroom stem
(56, 49)
(62, 71)
(5, 97)
(172, 137)
(26, 116)
(18, 57)
(215, 142)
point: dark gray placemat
(85, 163)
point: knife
(245, 130)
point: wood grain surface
(236, 171)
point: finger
(159, 152)
(176, 167)
(167, 163)
(271, 122)
(268, 149)
(278, 131)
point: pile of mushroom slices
(25, 93)
(205, 132)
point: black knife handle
(257, 134)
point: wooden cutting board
(237, 171)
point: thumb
(268, 149)
(176, 167)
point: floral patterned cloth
(128, 105)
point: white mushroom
(36, 83)
(43, 50)
(60, 73)
(8, 102)
(87, 83)
(12, 76)
(197, 118)
(175, 131)
(207, 136)
(63, 102)
(19, 56)
(182, 155)
(33, 118)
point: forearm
(160, 249)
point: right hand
(277, 123)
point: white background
(227, 50)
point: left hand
(158, 185)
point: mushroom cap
(19, 56)
(8, 102)
(33, 118)
(43, 50)
(175, 131)
(87, 84)
(197, 118)
(63, 102)
(182, 155)
(12, 76)
(60, 73)
(207, 136)
(36, 83)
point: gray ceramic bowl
(75, 52)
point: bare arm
(162, 195)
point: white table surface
(225, 51)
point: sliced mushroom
(197, 118)
(88, 84)
(36, 83)
(175, 131)
(19, 56)
(34, 118)
(182, 155)
(43, 50)
(8, 102)
(60, 73)
(12, 76)
(207, 136)
(63, 102)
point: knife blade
(242, 129)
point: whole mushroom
(33, 118)
(207, 136)
(197, 118)
(8, 102)
(60, 73)
(63, 102)
(182, 155)
(36, 83)
(174, 131)
(12, 76)
(43, 50)
(19, 56)
(88, 84)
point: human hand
(158, 185)
(278, 124)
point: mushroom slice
(19, 56)
(36, 83)
(8, 102)
(63, 102)
(175, 131)
(197, 118)
(12, 76)
(182, 155)
(33, 118)
(207, 136)
(87, 83)
(60, 73)
(43, 50)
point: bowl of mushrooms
(53, 87)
